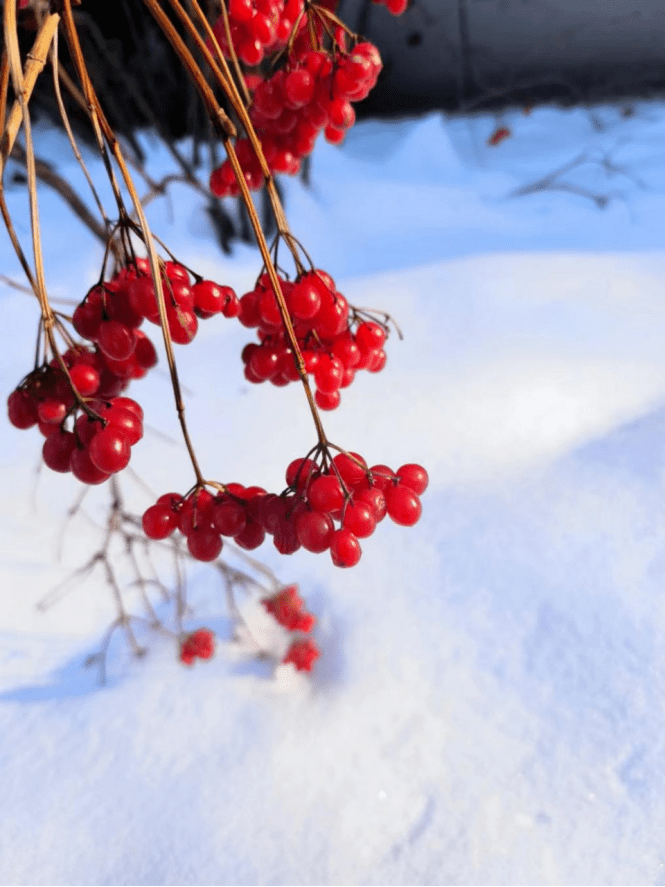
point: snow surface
(488, 707)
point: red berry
(58, 449)
(145, 353)
(299, 88)
(211, 297)
(183, 325)
(403, 505)
(352, 469)
(51, 412)
(251, 536)
(325, 494)
(86, 319)
(377, 360)
(375, 498)
(204, 543)
(305, 298)
(110, 450)
(176, 272)
(414, 477)
(159, 521)
(327, 401)
(85, 379)
(126, 421)
(382, 476)
(129, 404)
(370, 336)
(285, 538)
(345, 548)
(359, 518)
(329, 374)
(315, 530)
(228, 517)
(300, 473)
(84, 469)
(21, 409)
(202, 641)
(116, 340)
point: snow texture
(488, 707)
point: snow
(488, 704)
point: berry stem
(274, 280)
(99, 121)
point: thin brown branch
(47, 175)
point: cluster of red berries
(336, 507)
(112, 312)
(89, 428)
(99, 440)
(287, 608)
(289, 110)
(203, 519)
(198, 644)
(347, 492)
(334, 340)
(303, 653)
(258, 27)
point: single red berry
(251, 536)
(229, 517)
(304, 622)
(370, 336)
(403, 505)
(299, 88)
(327, 401)
(300, 473)
(315, 530)
(352, 469)
(377, 360)
(58, 449)
(196, 512)
(86, 319)
(84, 469)
(345, 549)
(110, 450)
(126, 421)
(85, 379)
(376, 499)
(145, 353)
(176, 272)
(359, 518)
(22, 409)
(382, 476)
(414, 477)
(211, 297)
(159, 521)
(204, 543)
(51, 412)
(305, 298)
(173, 500)
(129, 404)
(116, 340)
(329, 374)
(285, 538)
(325, 494)
(183, 325)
